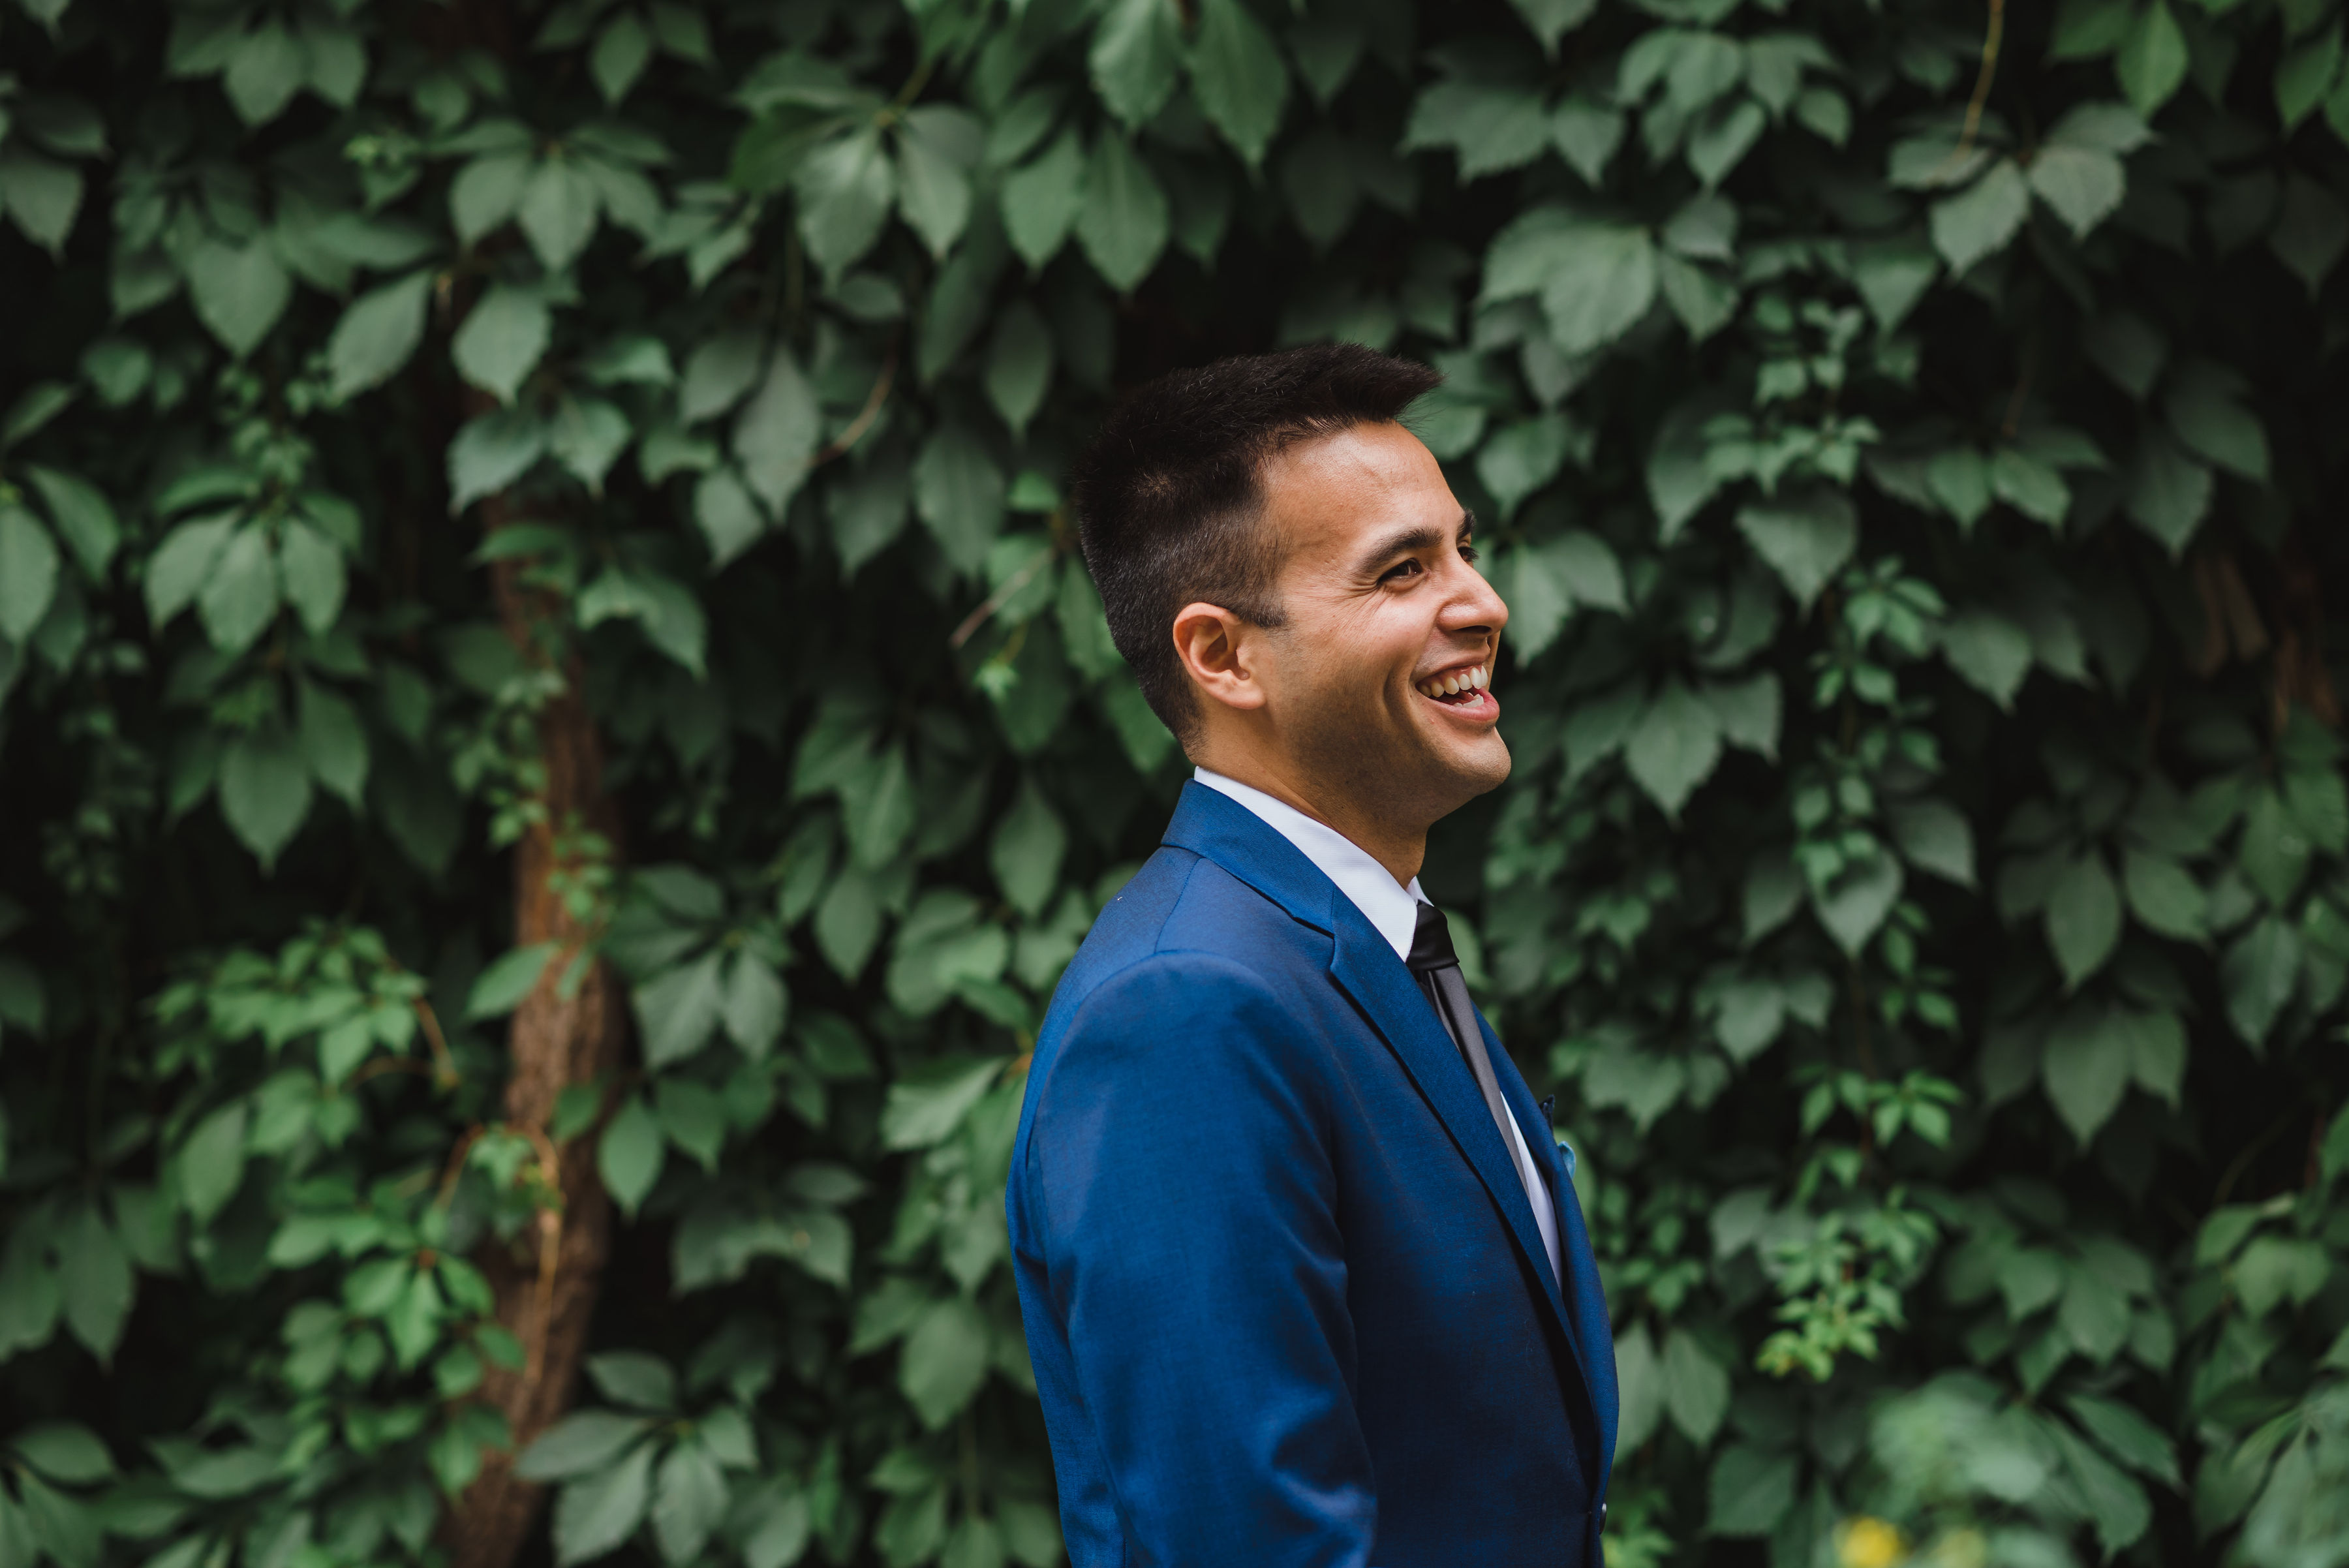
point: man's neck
(1399, 850)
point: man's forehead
(1337, 493)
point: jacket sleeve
(1180, 1162)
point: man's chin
(1489, 770)
(1466, 770)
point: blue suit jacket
(1283, 1290)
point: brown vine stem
(550, 1247)
(445, 1073)
(1000, 598)
(838, 446)
(382, 1064)
(456, 1163)
(1989, 73)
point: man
(1304, 1280)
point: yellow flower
(1865, 1542)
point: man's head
(1287, 571)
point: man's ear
(1218, 650)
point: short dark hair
(1169, 495)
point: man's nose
(1473, 607)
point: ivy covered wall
(554, 742)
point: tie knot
(1431, 942)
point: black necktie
(1437, 965)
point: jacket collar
(1212, 824)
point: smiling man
(1304, 1276)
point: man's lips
(1463, 691)
(1465, 681)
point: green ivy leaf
(879, 812)
(2152, 59)
(1981, 219)
(1805, 539)
(28, 573)
(688, 1501)
(1493, 127)
(596, 1513)
(927, 1103)
(265, 67)
(82, 515)
(1696, 1387)
(2204, 414)
(238, 291)
(939, 144)
(1603, 281)
(513, 975)
(1520, 459)
(2259, 977)
(491, 453)
(1027, 850)
(846, 189)
(583, 1441)
(239, 598)
(959, 492)
(2088, 1065)
(1935, 837)
(2169, 493)
(1750, 1489)
(1136, 58)
(1018, 367)
(210, 1165)
(632, 1378)
(776, 435)
(94, 1276)
(264, 792)
(1674, 747)
(311, 570)
(2311, 232)
(1122, 223)
(334, 743)
(42, 196)
(557, 212)
(622, 51)
(1553, 19)
(1989, 651)
(1040, 199)
(501, 339)
(677, 1011)
(1854, 907)
(1237, 76)
(630, 1156)
(64, 1451)
(756, 1004)
(944, 1361)
(2083, 917)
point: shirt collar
(1392, 910)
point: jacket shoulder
(1181, 909)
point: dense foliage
(553, 743)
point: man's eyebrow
(1420, 536)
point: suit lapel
(1594, 1336)
(1383, 988)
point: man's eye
(1402, 569)
(1469, 554)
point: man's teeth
(1459, 681)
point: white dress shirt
(1392, 910)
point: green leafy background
(1908, 436)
